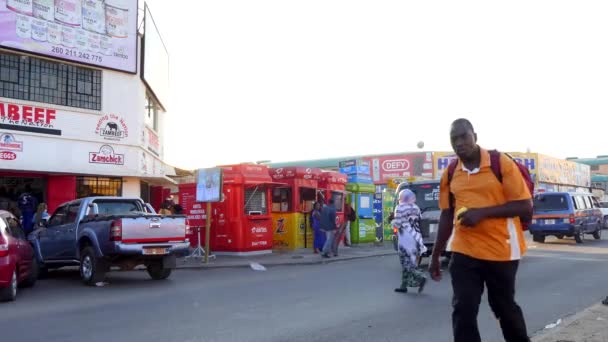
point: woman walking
(411, 245)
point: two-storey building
(81, 110)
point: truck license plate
(549, 221)
(155, 251)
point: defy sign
(385, 168)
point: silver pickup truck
(97, 233)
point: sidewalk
(589, 325)
(297, 257)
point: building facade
(70, 129)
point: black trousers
(468, 278)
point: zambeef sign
(16, 117)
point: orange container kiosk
(291, 206)
(241, 224)
(333, 185)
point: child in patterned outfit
(411, 244)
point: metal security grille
(35, 79)
(98, 186)
(255, 201)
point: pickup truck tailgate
(153, 229)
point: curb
(294, 262)
(565, 324)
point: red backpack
(495, 166)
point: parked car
(604, 208)
(97, 233)
(18, 267)
(561, 214)
(427, 199)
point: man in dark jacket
(328, 224)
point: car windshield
(550, 202)
(427, 195)
(121, 207)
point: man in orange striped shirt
(487, 240)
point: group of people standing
(327, 233)
(169, 207)
(25, 207)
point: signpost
(208, 190)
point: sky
(292, 80)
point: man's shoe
(401, 290)
(325, 255)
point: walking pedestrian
(410, 242)
(487, 241)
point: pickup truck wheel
(91, 269)
(33, 276)
(538, 238)
(578, 236)
(598, 234)
(157, 271)
(9, 294)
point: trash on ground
(553, 325)
(101, 284)
(257, 267)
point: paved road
(345, 301)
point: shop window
(47, 82)
(144, 191)
(152, 110)
(40, 80)
(14, 76)
(281, 200)
(98, 186)
(338, 198)
(308, 196)
(255, 201)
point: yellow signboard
(560, 171)
(441, 160)
(288, 231)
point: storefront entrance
(12, 186)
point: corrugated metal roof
(332, 163)
(599, 178)
(591, 161)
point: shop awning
(253, 183)
(164, 180)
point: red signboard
(195, 211)
(311, 173)
(7, 155)
(383, 168)
(330, 177)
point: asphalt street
(343, 301)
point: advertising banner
(385, 168)
(529, 160)
(100, 33)
(565, 172)
(441, 160)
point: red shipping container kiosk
(241, 224)
(291, 206)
